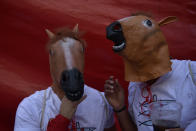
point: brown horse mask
(66, 56)
(139, 40)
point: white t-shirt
(177, 85)
(93, 114)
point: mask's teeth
(119, 47)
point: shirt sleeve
(25, 120)
(59, 123)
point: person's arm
(67, 110)
(125, 121)
(192, 126)
(114, 93)
(59, 123)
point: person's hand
(175, 129)
(114, 93)
(68, 107)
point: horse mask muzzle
(72, 83)
(114, 33)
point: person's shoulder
(176, 62)
(94, 95)
(30, 107)
(92, 91)
(33, 101)
(179, 65)
(89, 89)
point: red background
(24, 64)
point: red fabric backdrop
(24, 64)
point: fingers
(117, 85)
(110, 81)
(109, 85)
(74, 103)
(64, 99)
(108, 88)
(112, 85)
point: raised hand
(68, 107)
(114, 93)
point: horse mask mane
(140, 42)
(64, 32)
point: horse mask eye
(72, 83)
(147, 23)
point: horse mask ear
(167, 20)
(75, 29)
(50, 34)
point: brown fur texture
(66, 51)
(146, 55)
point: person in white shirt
(68, 104)
(152, 75)
(93, 113)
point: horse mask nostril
(72, 83)
(114, 33)
(117, 27)
(65, 76)
(76, 75)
